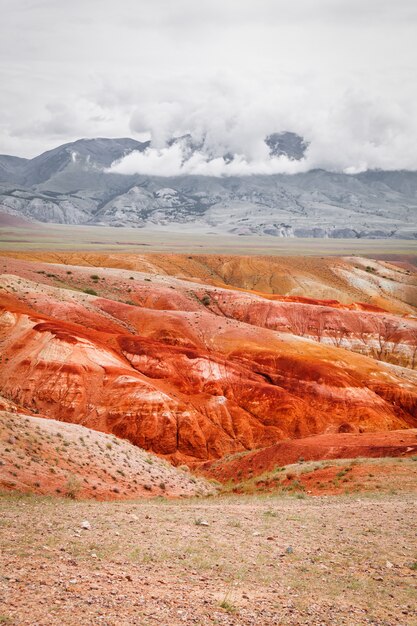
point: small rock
(85, 525)
(289, 550)
(389, 565)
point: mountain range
(72, 184)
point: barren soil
(47, 457)
(258, 561)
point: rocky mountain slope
(189, 370)
(72, 184)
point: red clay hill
(195, 370)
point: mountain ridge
(72, 184)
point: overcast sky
(340, 72)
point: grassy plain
(100, 239)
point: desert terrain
(208, 313)
(236, 561)
(48, 457)
(207, 438)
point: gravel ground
(228, 561)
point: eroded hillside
(390, 285)
(191, 370)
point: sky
(341, 73)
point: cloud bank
(173, 161)
(349, 133)
(339, 73)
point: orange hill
(186, 370)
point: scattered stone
(85, 525)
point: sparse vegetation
(131, 544)
(72, 487)
(227, 606)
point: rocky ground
(231, 561)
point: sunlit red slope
(186, 370)
(390, 285)
(399, 443)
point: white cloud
(350, 132)
(172, 161)
(340, 73)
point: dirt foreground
(231, 561)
